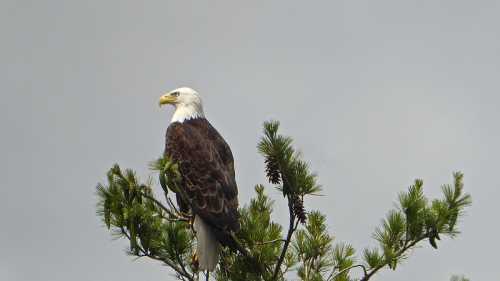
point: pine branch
(143, 253)
(369, 274)
(285, 166)
(131, 210)
(415, 221)
(288, 239)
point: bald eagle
(207, 175)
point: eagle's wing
(207, 172)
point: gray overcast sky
(375, 93)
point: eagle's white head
(187, 104)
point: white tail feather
(207, 248)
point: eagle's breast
(207, 171)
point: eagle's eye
(175, 94)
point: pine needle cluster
(130, 210)
(416, 219)
(302, 248)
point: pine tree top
(157, 229)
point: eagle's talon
(195, 262)
(190, 224)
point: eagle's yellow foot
(195, 262)
(191, 224)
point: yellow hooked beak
(167, 99)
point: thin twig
(398, 254)
(175, 219)
(172, 205)
(270, 242)
(331, 277)
(180, 213)
(167, 210)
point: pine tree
(303, 247)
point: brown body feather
(207, 175)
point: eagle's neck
(187, 112)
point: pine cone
(298, 209)
(272, 170)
